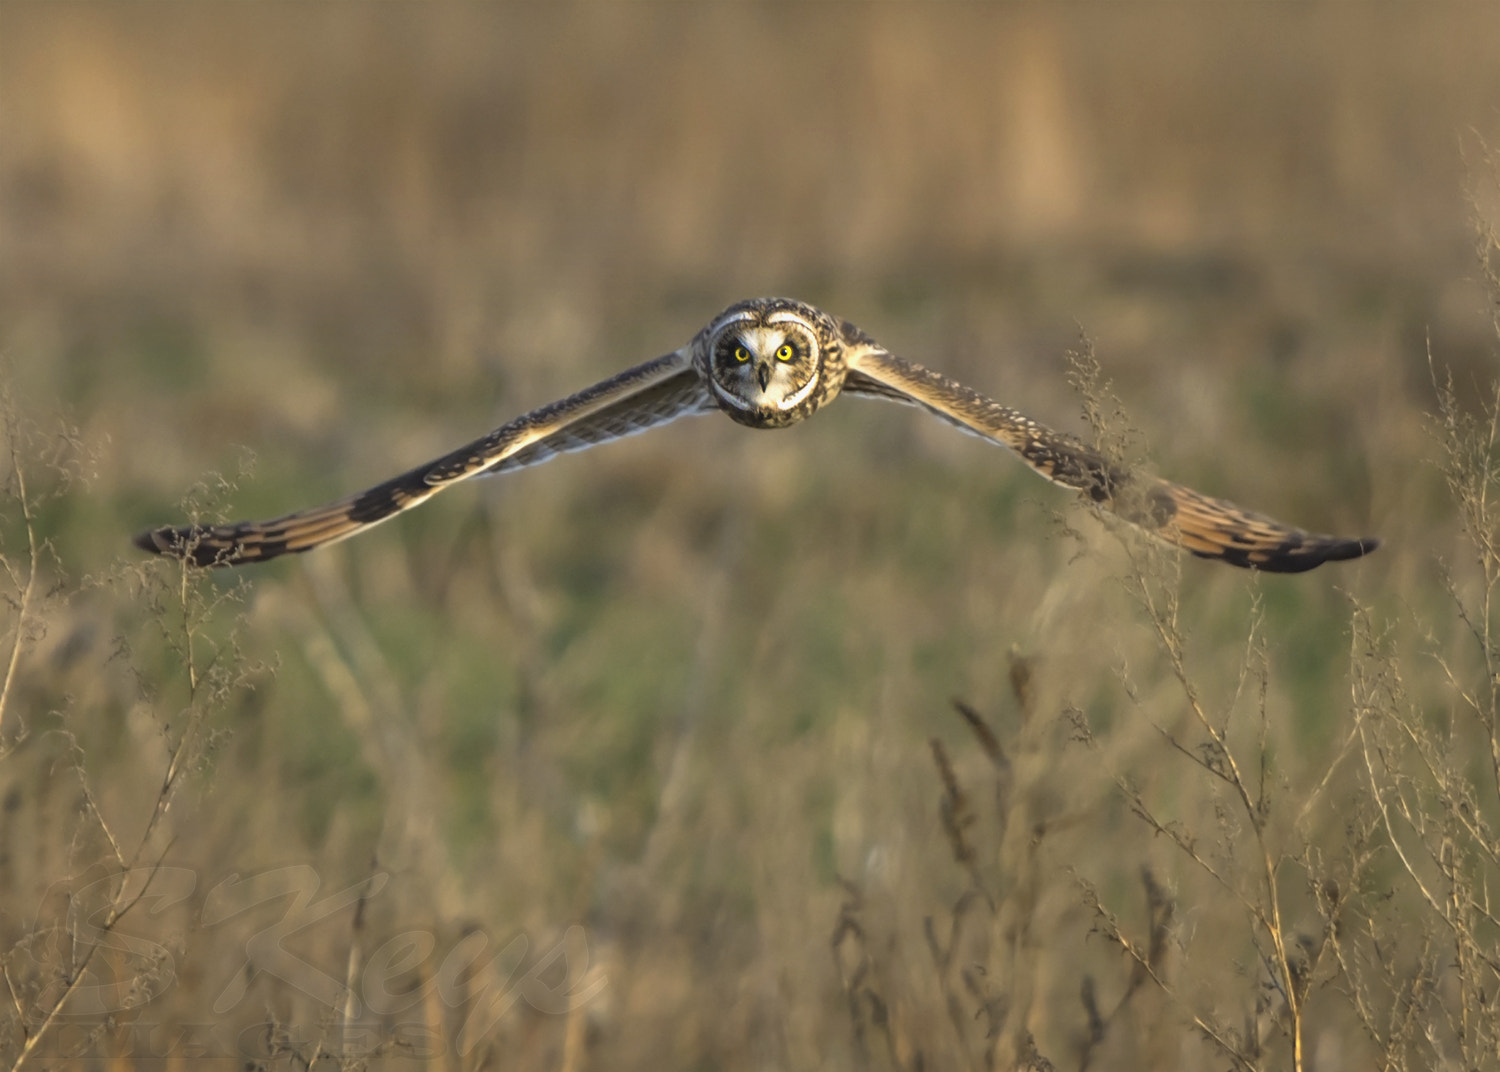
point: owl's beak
(763, 374)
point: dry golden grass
(648, 758)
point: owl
(768, 363)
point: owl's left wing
(639, 398)
(1209, 528)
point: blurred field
(665, 708)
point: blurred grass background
(676, 689)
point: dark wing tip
(1346, 549)
(1296, 554)
(146, 541)
(191, 543)
(175, 542)
(1316, 550)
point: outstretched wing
(1209, 528)
(639, 398)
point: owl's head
(765, 359)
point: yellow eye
(785, 353)
(741, 354)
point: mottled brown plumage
(768, 363)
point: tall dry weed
(87, 840)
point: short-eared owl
(768, 363)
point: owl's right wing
(637, 399)
(1207, 527)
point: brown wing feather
(639, 398)
(1209, 528)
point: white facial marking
(795, 399)
(729, 396)
(762, 341)
(726, 321)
